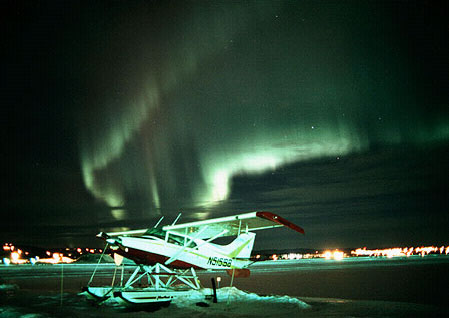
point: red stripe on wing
(280, 220)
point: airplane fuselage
(150, 250)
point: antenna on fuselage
(176, 220)
(158, 222)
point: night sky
(332, 114)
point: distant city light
(340, 255)
(405, 251)
(15, 257)
(337, 255)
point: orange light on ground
(56, 259)
(65, 259)
(15, 257)
(338, 255)
(294, 256)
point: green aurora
(242, 88)
(332, 114)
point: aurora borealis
(332, 114)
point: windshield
(173, 239)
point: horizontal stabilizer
(239, 273)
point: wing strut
(233, 270)
(176, 220)
(158, 222)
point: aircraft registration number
(226, 262)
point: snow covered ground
(303, 288)
(232, 303)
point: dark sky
(333, 114)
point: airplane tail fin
(242, 246)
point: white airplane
(168, 256)
(190, 244)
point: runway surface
(357, 287)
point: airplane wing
(232, 225)
(125, 233)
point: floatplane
(167, 256)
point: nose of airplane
(103, 235)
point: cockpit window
(160, 233)
(173, 239)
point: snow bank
(8, 287)
(232, 294)
(233, 302)
(10, 312)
